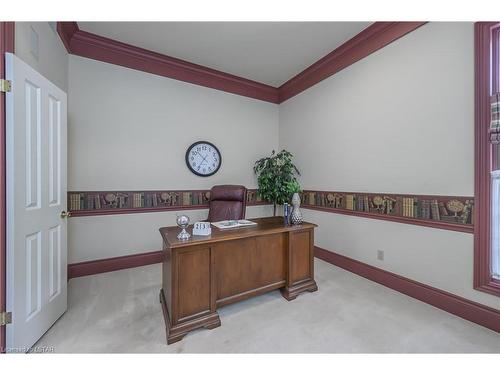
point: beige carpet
(120, 312)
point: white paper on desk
(228, 224)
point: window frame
(487, 81)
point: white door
(36, 196)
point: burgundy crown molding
(371, 39)
(485, 82)
(66, 30)
(85, 44)
(480, 314)
(6, 45)
(374, 37)
(94, 267)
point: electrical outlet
(380, 255)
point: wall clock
(203, 158)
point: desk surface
(267, 225)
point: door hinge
(5, 85)
(5, 318)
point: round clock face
(203, 158)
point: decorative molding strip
(7, 30)
(94, 203)
(425, 210)
(371, 39)
(480, 314)
(443, 212)
(85, 44)
(113, 264)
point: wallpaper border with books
(94, 203)
(445, 212)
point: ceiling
(266, 52)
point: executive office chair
(227, 202)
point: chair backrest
(227, 202)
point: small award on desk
(286, 214)
(202, 228)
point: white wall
(129, 130)
(98, 237)
(52, 61)
(398, 121)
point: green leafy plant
(276, 176)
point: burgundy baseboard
(466, 309)
(113, 264)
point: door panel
(54, 262)
(54, 151)
(32, 145)
(36, 186)
(33, 274)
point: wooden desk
(206, 272)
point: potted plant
(276, 177)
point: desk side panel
(301, 255)
(193, 273)
(167, 277)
